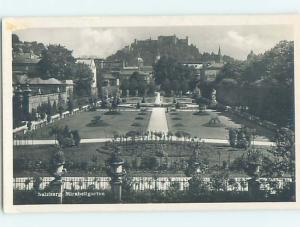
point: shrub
(76, 137)
(97, 122)
(178, 125)
(232, 137)
(29, 125)
(66, 142)
(176, 118)
(204, 113)
(138, 105)
(48, 118)
(112, 112)
(135, 124)
(149, 162)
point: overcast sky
(235, 41)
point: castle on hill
(150, 49)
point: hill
(150, 49)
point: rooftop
(24, 79)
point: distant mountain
(150, 49)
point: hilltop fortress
(151, 49)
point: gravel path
(158, 120)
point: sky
(235, 41)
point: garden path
(158, 120)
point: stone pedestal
(253, 187)
(117, 190)
(117, 176)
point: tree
(15, 39)
(252, 161)
(233, 137)
(198, 187)
(49, 118)
(57, 62)
(76, 137)
(265, 81)
(70, 105)
(196, 164)
(54, 107)
(284, 153)
(55, 130)
(33, 114)
(219, 181)
(49, 110)
(172, 75)
(232, 70)
(83, 78)
(67, 132)
(240, 137)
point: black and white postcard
(150, 113)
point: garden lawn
(195, 125)
(116, 124)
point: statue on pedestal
(58, 170)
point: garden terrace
(88, 160)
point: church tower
(219, 59)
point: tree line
(264, 83)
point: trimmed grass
(119, 123)
(195, 125)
